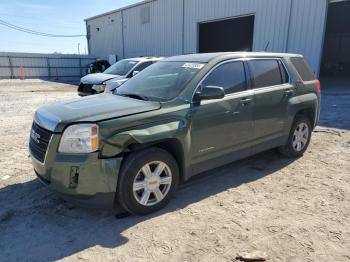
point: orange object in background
(21, 72)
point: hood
(99, 78)
(94, 108)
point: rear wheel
(299, 137)
(147, 181)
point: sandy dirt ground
(294, 210)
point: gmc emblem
(35, 136)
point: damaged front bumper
(83, 177)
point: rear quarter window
(303, 69)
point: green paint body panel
(208, 135)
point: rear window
(269, 72)
(303, 69)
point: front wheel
(147, 181)
(299, 137)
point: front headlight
(82, 138)
(99, 88)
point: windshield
(162, 81)
(120, 68)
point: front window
(162, 81)
(121, 68)
(230, 76)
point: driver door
(220, 127)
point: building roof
(207, 57)
(119, 9)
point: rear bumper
(83, 179)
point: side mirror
(134, 73)
(209, 93)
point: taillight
(318, 86)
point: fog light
(74, 177)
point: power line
(33, 32)
(72, 23)
(29, 31)
(11, 15)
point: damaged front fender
(120, 142)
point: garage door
(235, 34)
(336, 50)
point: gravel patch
(287, 210)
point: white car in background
(114, 76)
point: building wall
(307, 30)
(162, 36)
(270, 27)
(280, 26)
(108, 39)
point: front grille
(85, 88)
(38, 142)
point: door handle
(246, 101)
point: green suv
(177, 118)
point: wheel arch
(310, 113)
(307, 105)
(171, 145)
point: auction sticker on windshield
(193, 65)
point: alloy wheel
(300, 137)
(152, 183)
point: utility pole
(78, 48)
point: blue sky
(50, 16)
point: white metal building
(172, 27)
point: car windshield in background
(162, 81)
(121, 68)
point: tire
(291, 149)
(139, 179)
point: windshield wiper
(135, 96)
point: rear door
(272, 90)
(223, 126)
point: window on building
(145, 14)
